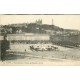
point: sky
(63, 21)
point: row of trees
(68, 41)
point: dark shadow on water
(13, 57)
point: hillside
(37, 28)
(59, 36)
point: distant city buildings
(28, 33)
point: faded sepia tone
(40, 40)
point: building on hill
(39, 21)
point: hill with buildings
(36, 27)
(58, 35)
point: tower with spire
(52, 22)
